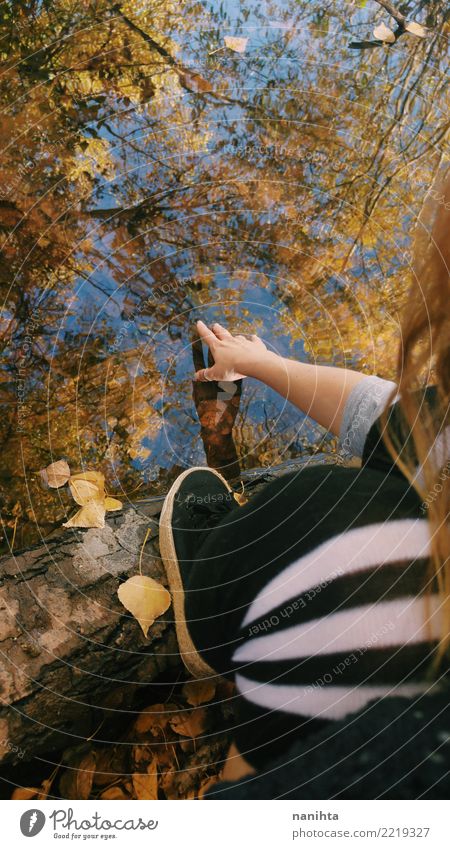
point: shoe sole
(189, 654)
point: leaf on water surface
(92, 515)
(145, 598)
(384, 33)
(417, 29)
(83, 491)
(56, 474)
(237, 44)
(112, 503)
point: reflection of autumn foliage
(137, 161)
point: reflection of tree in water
(149, 178)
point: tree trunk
(69, 647)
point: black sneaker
(194, 505)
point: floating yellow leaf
(83, 491)
(237, 44)
(92, 515)
(199, 692)
(384, 33)
(56, 475)
(417, 29)
(113, 503)
(92, 477)
(145, 598)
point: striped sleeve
(340, 627)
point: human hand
(234, 356)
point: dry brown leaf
(115, 792)
(168, 782)
(25, 793)
(145, 598)
(198, 692)
(84, 491)
(240, 498)
(76, 783)
(113, 503)
(55, 475)
(384, 33)
(155, 718)
(45, 788)
(92, 515)
(205, 785)
(417, 29)
(237, 44)
(189, 725)
(145, 784)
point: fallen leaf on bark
(198, 692)
(55, 475)
(92, 515)
(145, 598)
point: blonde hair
(424, 358)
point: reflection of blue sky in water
(299, 168)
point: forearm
(319, 391)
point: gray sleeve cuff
(365, 403)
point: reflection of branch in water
(217, 405)
(395, 13)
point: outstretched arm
(319, 391)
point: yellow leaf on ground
(384, 33)
(83, 491)
(92, 515)
(56, 475)
(237, 44)
(145, 784)
(113, 503)
(189, 725)
(199, 692)
(145, 598)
